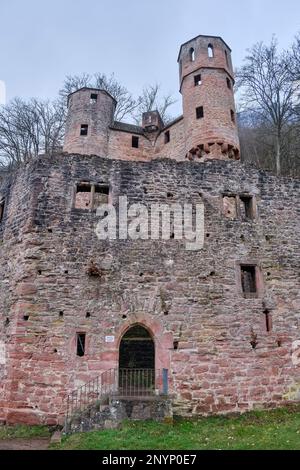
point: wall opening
(199, 112)
(90, 196)
(246, 206)
(93, 98)
(136, 362)
(230, 207)
(210, 51)
(137, 349)
(228, 83)
(80, 344)
(167, 137)
(1, 209)
(232, 115)
(192, 54)
(197, 80)
(268, 320)
(249, 280)
(84, 129)
(135, 142)
(226, 58)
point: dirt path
(24, 444)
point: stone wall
(224, 360)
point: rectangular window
(1, 209)
(90, 196)
(232, 115)
(135, 142)
(83, 197)
(84, 129)
(199, 112)
(230, 207)
(100, 196)
(246, 207)
(93, 98)
(249, 280)
(80, 346)
(197, 80)
(167, 137)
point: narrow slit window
(210, 51)
(229, 86)
(135, 142)
(197, 80)
(268, 319)
(192, 54)
(93, 98)
(80, 347)
(167, 137)
(247, 207)
(84, 129)
(1, 209)
(248, 280)
(232, 115)
(199, 112)
(226, 58)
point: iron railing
(90, 393)
(137, 382)
(116, 383)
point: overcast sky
(41, 41)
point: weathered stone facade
(228, 345)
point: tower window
(249, 280)
(226, 58)
(197, 80)
(135, 142)
(192, 54)
(210, 50)
(232, 115)
(228, 83)
(246, 206)
(1, 209)
(84, 129)
(199, 112)
(167, 137)
(80, 340)
(93, 98)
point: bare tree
(149, 100)
(29, 128)
(126, 104)
(268, 90)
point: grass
(23, 431)
(276, 429)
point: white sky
(43, 41)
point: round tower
(206, 84)
(90, 113)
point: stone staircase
(103, 404)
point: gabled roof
(201, 36)
(123, 126)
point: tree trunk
(278, 155)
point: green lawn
(276, 429)
(22, 431)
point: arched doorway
(137, 362)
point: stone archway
(136, 362)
